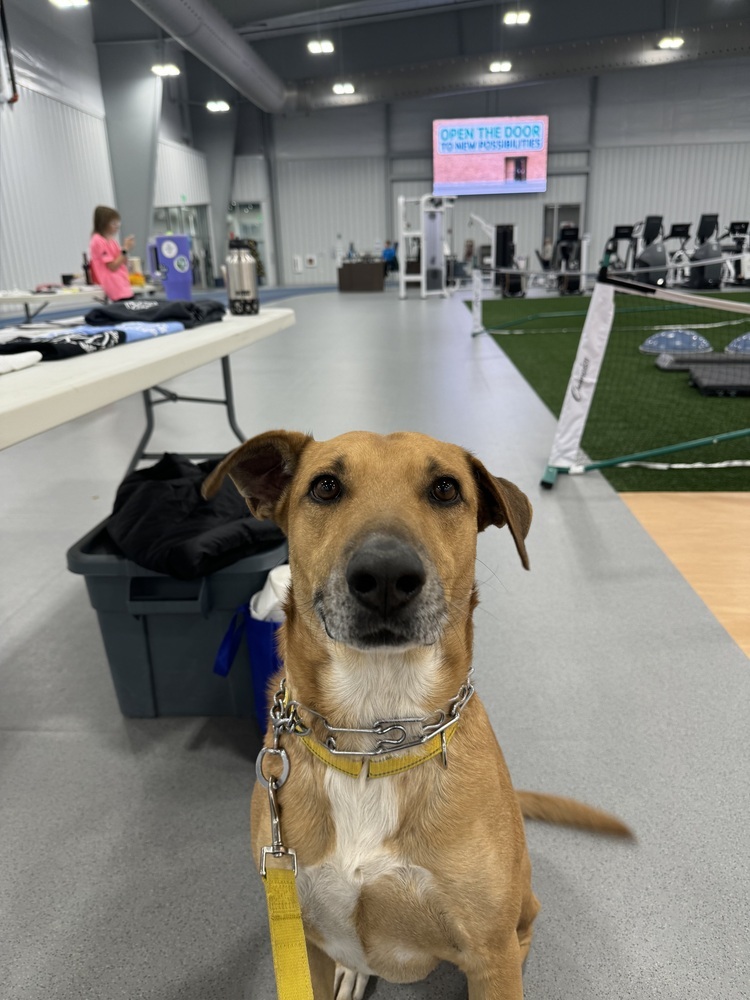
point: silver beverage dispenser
(240, 272)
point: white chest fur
(365, 812)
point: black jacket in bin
(161, 521)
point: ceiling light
(320, 46)
(516, 17)
(165, 69)
(217, 106)
(501, 67)
(674, 42)
(343, 88)
(67, 4)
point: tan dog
(400, 872)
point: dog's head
(382, 529)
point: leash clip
(272, 785)
(277, 849)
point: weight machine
(428, 268)
(502, 257)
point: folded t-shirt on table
(188, 313)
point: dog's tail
(568, 812)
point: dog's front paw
(348, 984)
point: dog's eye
(325, 488)
(445, 490)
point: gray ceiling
(395, 49)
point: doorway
(557, 216)
(246, 221)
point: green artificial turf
(636, 406)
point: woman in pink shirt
(108, 261)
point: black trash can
(161, 635)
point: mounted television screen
(489, 155)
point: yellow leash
(290, 960)
(288, 946)
(287, 936)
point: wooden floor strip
(707, 537)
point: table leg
(173, 397)
(31, 316)
(229, 398)
(140, 449)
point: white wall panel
(345, 132)
(324, 204)
(568, 161)
(181, 176)
(696, 102)
(565, 101)
(679, 182)
(54, 53)
(54, 169)
(410, 168)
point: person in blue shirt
(389, 257)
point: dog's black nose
(384, 574)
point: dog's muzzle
(387, 594)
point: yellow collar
(353, 766)
(390, 760)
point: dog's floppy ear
(261, 469)
(501, 502)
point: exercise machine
(427, 244)
(501, 255)
(737, 271)
(611, 260)
(567, 258)
(648, 251)
(644, 252)
(708, 248)
(679, 258)
(504, 257)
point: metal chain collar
(393, 733)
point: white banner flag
(593, 343)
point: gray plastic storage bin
(161, 635)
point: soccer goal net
(661, 380)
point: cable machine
(502, 256)
(423, 253)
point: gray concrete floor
(125, 870)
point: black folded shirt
(64, 345)
(149, 311)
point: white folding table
(51, 393)
(66, 298)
